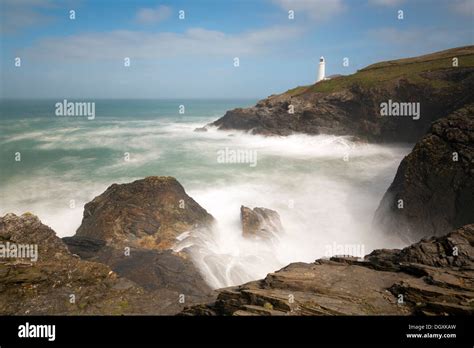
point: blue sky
(193, 58)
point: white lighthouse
(322, 70)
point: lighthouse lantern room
(321, 70)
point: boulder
(260, 223)
(148, 213)
(433, 189)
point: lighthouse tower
(322, 70)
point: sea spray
(325, 188)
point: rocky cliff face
(148, 213)
(433, 190)
(351, 105)
(433, 277)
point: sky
(194, 56)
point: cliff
(433, 190)
(351, 105)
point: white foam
(321, 198)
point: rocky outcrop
(60, 282)
(260, 223)
(455, 250)
(201, 129)
(151, 269)
(351, 105)
(433, 190)
(132, 227)
(147, 213)
(432, 277)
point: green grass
(380, 73)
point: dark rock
(350, 105)
(148, 213)
(84, 246)
(28, 229)
(456, 249)
(46, 286)
(130, 226)
(146, 282)
(260, 222)
(151, 269)
(433, 190)
(201, 129)
(431, 279)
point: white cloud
(315, 9)
(428, 37)
(153, 15)
(145, 45)
(17, 15)
(464, 7)
(386, 2)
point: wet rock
(148, 213)
(430, 283)
(433, 189)
(260, 223)
(59, 283)
(201, 129)
(149, 268)
(131, 227)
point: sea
(325, 188)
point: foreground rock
(48, 285)
(433, 190)
(148, 213)
(260, 223)
(350, 105)
(131, 228)
(154, 270)
(59, 282)
(433, 277)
